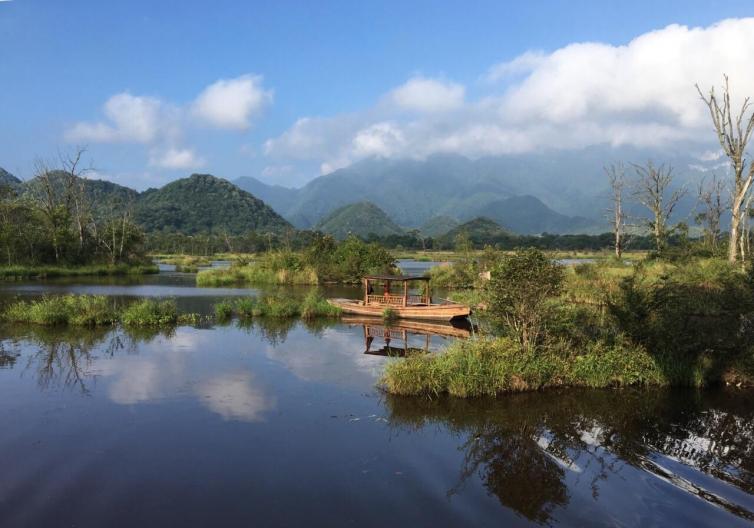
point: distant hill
(527, 215)
(412, 192)
(361, 219)
(7, 179)
(479, 230)
(104, 196)
(438, 225)
(203, 203)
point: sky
(287, 91)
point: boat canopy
(396, 278)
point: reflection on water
(534, 452)
(278, 422)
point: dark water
(280, 424)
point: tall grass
(78, 310)
(255, 274)
(313, 306)
(488, 367)
(150, 312)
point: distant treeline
(252, 242)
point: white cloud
(231, 103)
(428, 95)
(640, 94)
(130, 119)
(524, 63)
(176, 158)
(235, 397)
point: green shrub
(389, 315)
(223, 310)
(315, 305)
(150, 312)
(79, 310)
(245, 307)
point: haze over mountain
(360, 219)
(563, 192)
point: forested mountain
(438, 225)
(203, 203)
(527, 215)
(361, 219)
(478, 231)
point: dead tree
(651, 188)
(710, 197)
(76, 191)
(733, 133)
(617, 176)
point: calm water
(280, 424)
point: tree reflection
(522, 446)
(64, 356)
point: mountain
(104, 196)
(479, 231)
(361, 219)
(438, 225)
(8, 180)
(527, 215)
(412, 192)
(204, 203)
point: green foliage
(150, 312)
(315, 305)
(389, 315)
(518, 292)
(223, 310)
(46, 272)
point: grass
(255, 274)
(313, 306)
(95, 310)
(493, 366)
(45, 272)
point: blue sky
(285, 91)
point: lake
(279, 423)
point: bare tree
(76, 190)
(617, 176)
(652, 186)
(710, 196)
(733, 133)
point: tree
(651, 190)
(710, 196)
(733, 133)
(517, 293)
(616, 174)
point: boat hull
(436, 312)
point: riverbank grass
(313, 306)
(47, 272)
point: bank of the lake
(92, 270)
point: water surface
(279, 423)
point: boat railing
(397, 300)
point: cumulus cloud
(130, 119)
(231, 103)
(161, 125)
(176, 158)
(234, 396)
(428, 95)
(640, 94)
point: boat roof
(397, 277)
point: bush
(223, 310)
(315, 305)
(518, 291)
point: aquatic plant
(79, 310)
(315, 305)
(150, 312)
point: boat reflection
(404, 337)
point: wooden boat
(404, 304)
